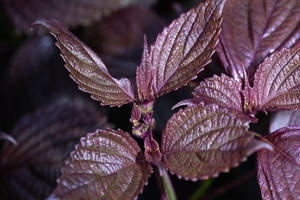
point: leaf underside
(106, 164)
(278, 177)
(200, 142)
(284, 118)
(180, 51)
(277, 81)
(87, 69)
(45, 138)
(253, 29)
(71, 13)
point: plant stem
(168, 192)
(201, 189)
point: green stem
(199, 193)
(167, 184)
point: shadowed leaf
(106, 164)
(253, 29)
(278, 177)
(277, 81)
(180, 51)
(200, 142)
(71, 13)
(45, 139)
(223, 91)
(87, 69)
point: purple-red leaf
(5, 136)
(87, 69)
(253, 29)
(180, 51)
(200, 142)
(277, 81)
(45, 138)
(71, 13)
(285, 118)
(106, 164)
(223, 91)
(278, 177)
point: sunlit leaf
(253, 29)
(285, 118)
(277, 81)
(106, 164)
(202, 141)
(223, 91)
(278, 177)
(45, 138)
(180, 51)
(71, 13)
(87, 69)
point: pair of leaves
(179, 53)
(276, 86)
(253, 29)
(71, 13)
(44, 140)
(278, 176)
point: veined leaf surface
(278, 177)
(87, 69)
(106, 164)
(181, 51)
(253, 29)
(202, 141)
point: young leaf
(106, 164)
(285, 118)
(223, 91)
(71, 13)
(253, 29)
(87, 69)
(180, 51)
(278, 177)
(277, 81)
(45, 139)
(200, 142)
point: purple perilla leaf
(180, 52)
(253, 29)
(106, 164)
(45, 138)
(203, 141)
(278, 176)
(285, 118)
(71, 13)
(5, 136)
(87, 69)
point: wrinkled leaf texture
(106, 164)
(45, 138)
(71, 13)
(253, 29)
(202, 141)
(277, 81)
(180, 51)
(278, 177)
(87, 69)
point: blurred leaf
(277, 81)
(253, 29)
(71, 13)
(5, 136)
(106, 164)
(45, 138)
(285, 118)
(202, 141)
(87, 69)
(278, 177)
(180, 52)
